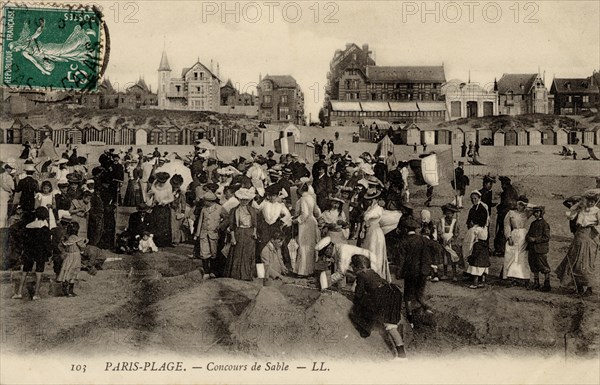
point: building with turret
(197, 89)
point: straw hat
(245, 193)
(323, 243)
(209, 196)
(372, 193)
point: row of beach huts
(414, 133)
(21, 131)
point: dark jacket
(323, 187)
(486, 197)
(478, 215)
(381, 171)
(42, 247)
(461, 181)
(367, 282)
(138, 223)
(538, 237)
(413, 256)
(508, 200)
(28, 187)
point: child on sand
(272, 258)
(538, 238)
(447, 234)
(71, 246)
(147, 243)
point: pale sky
(560, 37)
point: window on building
(509, 95)
(178, 88)
(373, 96)
(267, 99)
(267, 86)
(195, 75)
(569, 99)
(586, 99)
(284, 98)
(284, 112)
(434, 97)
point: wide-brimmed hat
(62, 161)
(489, 178)
(176, 181)
(450, 207)
(272, 190)
(209, 196)
(522, 199)
(29, 167)
(323, 243)
(538, 208)
(461, 163)
(476, 192)
(90, 181)
(74, 177)
(162, 177)
(372, 193)
(363, 182)
(63, 182)
(336, 199)
(286, 171)
(245, 193)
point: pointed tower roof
(164, 62)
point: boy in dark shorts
(538, 239)
(38, 252)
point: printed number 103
(78, 368)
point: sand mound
(495, 318)
(270, 324)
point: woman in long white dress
(516, 264)
(374, 240)
(308, 231)
(333, 222)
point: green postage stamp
(55, 47)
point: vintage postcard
(281, 192)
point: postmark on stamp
(53, 47)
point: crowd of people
(339, 215)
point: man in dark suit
(138, 223)
(538, 239)
(28, 187)
(460, 183)
(487, 195)
(414, 259)
(318, 164)
(380, 169)
(323, 186)
(508, 201)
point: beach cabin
(125, 136)
(306, 151)
(384, 146)
(413, 134)
(470, 135)
(499, 137)
(575, 137)
(291, 129)
(548, 136)
(535, 137)
(156, 136)
(428, 136)
(483, 133)
(269, 136)
(589, 136)
(92, 133)
(172, 135)
(224, 136)
(110, 136)
(562, 137)
(141, 137)
(522, 138)
(511, 137)
(443, 136)
(458, 137)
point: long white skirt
(516, 264)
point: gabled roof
(164, 63)
(282, 81)
(228, 84)
(407, 74)
(513, 82)
(574, 85)
(186, 70)
(107, 86)
(141, 84)
(596, 78)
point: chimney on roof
(365, 49)
(218, 70)
(211, 64)
(544, 78)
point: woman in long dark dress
(240, 264)
(25, 153)
(376, 301)
(133, 194)
(160, 198)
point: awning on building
(345, 106)
(404, 106)
(375, 106)
(431, 106)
